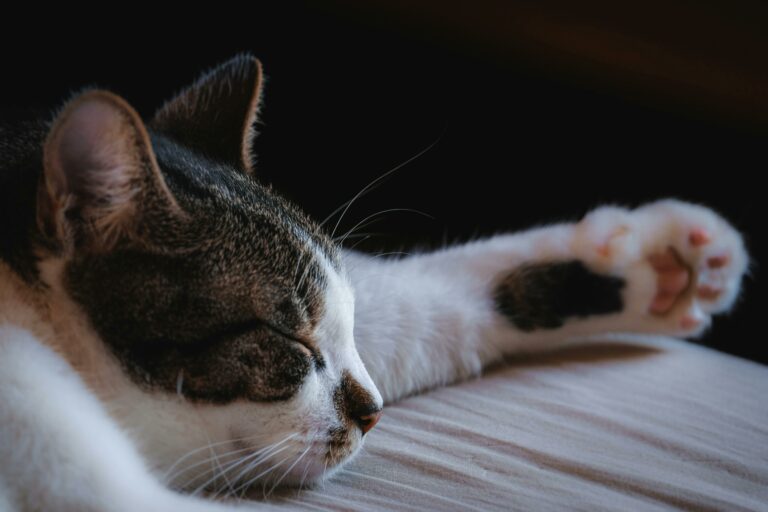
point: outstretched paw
(682, 262)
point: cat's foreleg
(433, 318)
(59, 448)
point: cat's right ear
(100, 174)
(217, 114)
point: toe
(667, 261)
(662, 303)
(673, 282)
(693, 319)
(672, 279)
(719, 261)
(707, 292)
(699, 237)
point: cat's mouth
(341, 444)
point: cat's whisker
(362, 239)
(339, 239)
(303, 477)
(366, 234)
(391, 253)
(367, 221)
(205, 462)
(285, 473)
(169, 476)
(209, 460)
(298, 267)
(251, 481)
(180, 384)
(260, 456)
(307, 270)
(216, 459)
(253, 460)
(347, 205)
(232, 466)
(213, 482)
(371, 219)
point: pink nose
(368, 421)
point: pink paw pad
(699, 237)
(718, 261)
(604, 250)
(672, 279)
(708, 292)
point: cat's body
(166, 321)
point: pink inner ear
(93, 148)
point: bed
(630, 424)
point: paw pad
(672, 279)
(699, 237)
(699, 272)
(718, 261)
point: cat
(168, 323)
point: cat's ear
(100, 173)
(216, 115)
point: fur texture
(167, 322)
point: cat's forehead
(225, 198)
(248, 237)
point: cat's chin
(312, 465)
(314, 473)
(312, 470)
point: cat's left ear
(216, 115)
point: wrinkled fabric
(637, 424)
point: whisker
(303, 478)
(265, 452)
(180, 383)
(167, 476)
(216, 459)
(251, 465)
(250, 482)
(365, 222)
(262, 456)
(203, 462)
(346, 206)
(363, 239)
(307, 269)
(391, 253)
(289, 470)
(298, 266)
(366, 234)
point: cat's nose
(356, 404)
(368, 421)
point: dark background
(533, 112)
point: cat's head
(213, 317)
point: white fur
(429, 319)
(60, 449)
(76, 434)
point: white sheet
(651, 424)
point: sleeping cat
(169, 323)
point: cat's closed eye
(257, 324)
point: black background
(515, 139)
